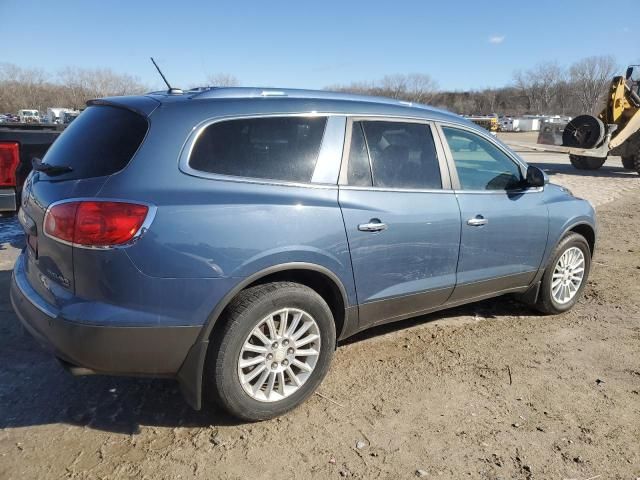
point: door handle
(477, 221)
(374, 225)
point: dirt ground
(491, 390)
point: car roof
(330, 101)
(247, 100)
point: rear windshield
(101, 141)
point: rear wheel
(586, 163)
(566, 276)
(628, 162)
(632, 162)
(274, 349)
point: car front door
(504, 222)
(401, 217)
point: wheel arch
(322, 280)
(587, 231)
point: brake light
(95, 223)
(9, 158)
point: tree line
(71, 87)
(546, 88)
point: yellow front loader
(615, 131)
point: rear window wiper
(39, 166)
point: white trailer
(56, 115)
(524, 124)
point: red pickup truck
(19, 144)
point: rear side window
(403, 155)
(101, 141)
(278, 148)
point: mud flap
(190, 374)
(530, 296)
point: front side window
(403, 155)
(279, 148)
(480, 164)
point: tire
(547, 301)
(584, 131)
(629, 162)
(632, 162)
(247, 312)
(586, 163)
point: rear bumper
(8, 201)
(130, 350)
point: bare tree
(565, 96)
(486, 100)
(420, 88)
(72, 87)
(21, 87)
(394, 86)
(362, 88)
(526, 85)
(546, 79)
(84, 83)
(414, 87)
(590, 78)
(222, 80)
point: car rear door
(504, 222)
(401, 217)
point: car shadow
(505, 306)
(606, 171)
(36, 390)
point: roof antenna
(171, 89)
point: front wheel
(586, 163)
(566, 276)
(273, 351)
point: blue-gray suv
(229, 237)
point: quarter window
(480, 164)
(403, 155)
(279, 148)
(358, 170)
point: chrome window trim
(501, 192)
(196, 131)
(457, 187)
(400, 190)
(151, 215)
(442, 161)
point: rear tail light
(96, 223)
(9, 158)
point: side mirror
(536, 177)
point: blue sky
(462, 44)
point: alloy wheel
(279, 355)
(567, 275)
